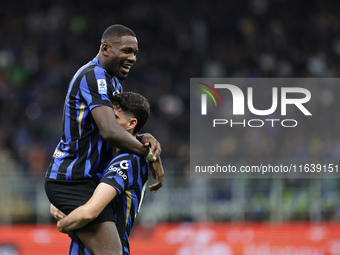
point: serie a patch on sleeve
(102, 87)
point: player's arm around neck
(86, 213)
(113, 133)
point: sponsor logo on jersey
(124, 164)
(119, 170)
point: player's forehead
(125, 41)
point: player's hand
(150, 141)
(157, 171)
(56, 213)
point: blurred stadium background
(44, 42)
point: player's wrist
(150, 155)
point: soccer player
(90, 130)
(124, 181)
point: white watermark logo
(239, 99)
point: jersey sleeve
(119, 173)
(96, 88)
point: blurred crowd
(43, 43)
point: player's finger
(155, 149)
(155, 187)
(61, 214)
(158, 185)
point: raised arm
(84, 214)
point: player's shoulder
(98, 70)
(124, 156)
(127, 157)
(90, 67)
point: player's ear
(132, 123)
(105, 48)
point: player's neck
(102, 62)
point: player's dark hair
(117, 31)
(135, 105)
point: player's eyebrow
(130, 49)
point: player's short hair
(116, 32)
(134, 105)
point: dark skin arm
(113, 133)
(157, 171)
(149, 141)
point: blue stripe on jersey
(67, 120)
(139, 180)
(77, 247)
(118, 86)
(126, 250)
(88, 160)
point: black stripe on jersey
(135, 185)
(109, 89)
(83, 148)
(143, 177)
(48, 172)
(91, 79)
(73, 114)
(81, 250)
(120, 219)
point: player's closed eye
(129, 51)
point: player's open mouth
(126, 68)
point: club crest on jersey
(102, 87)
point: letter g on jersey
(124, 164)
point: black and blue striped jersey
(128, 174)
(82, 153)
